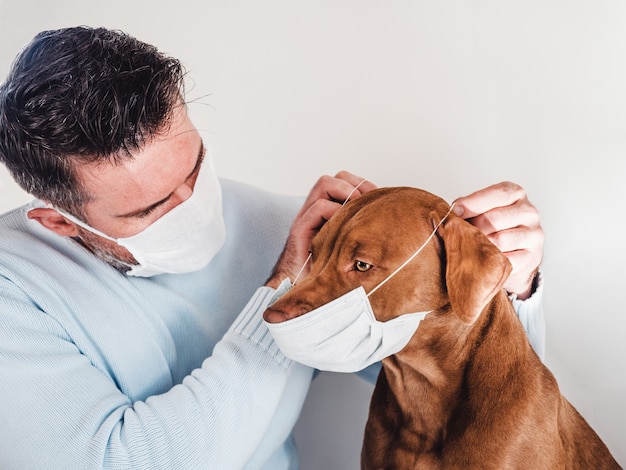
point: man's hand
(504, 213)
(326, 197)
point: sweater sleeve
(59, 411)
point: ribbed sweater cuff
(250, 322)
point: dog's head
(372, 236)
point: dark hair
(82, 95)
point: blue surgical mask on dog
(344, 335)
(184, 239)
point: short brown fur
(468, 391)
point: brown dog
(467, 391)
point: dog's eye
(361, 266)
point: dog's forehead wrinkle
(383, 241)
(371, 248)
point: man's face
(128, 197)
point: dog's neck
(439, 361)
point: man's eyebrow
(151, 207)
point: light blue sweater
(101, 370)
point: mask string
(352, 192)
(82, 224)
(414, 254)
(310, 254)
(302, 268)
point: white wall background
(445, 95)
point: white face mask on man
(344, 335)
(184, 239)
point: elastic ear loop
(352, 192)
(311, 254)
(82, 224)
(414, 254)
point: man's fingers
(497, 195)
(326, 197)
(338, 188)
(316, 215)
(520, 213)
(305, 227)
(361, 184)
(523, 241)
(504, 213)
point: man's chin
(114, 262)
(109, 258)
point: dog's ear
(475, 268)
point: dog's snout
(274, 315)
(281, 312)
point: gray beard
(105, 256)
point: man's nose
(182, 193)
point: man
(132, 288)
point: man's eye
(145, 213)
(361, 266)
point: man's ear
(54, 221)
(475, 268)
